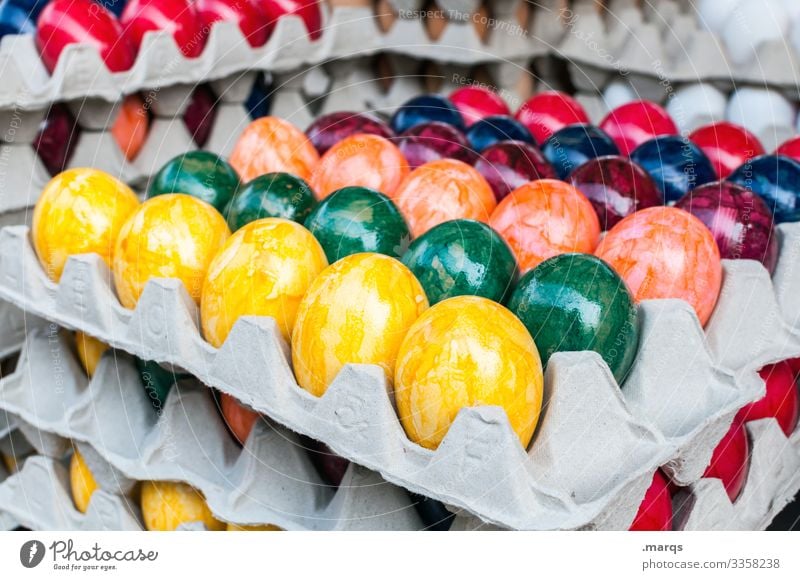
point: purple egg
(507, 165)
(739, 219)
(329, 129)
(431, 141)
(616, 186)
(58, 133)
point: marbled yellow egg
(80, 211)
(168, 504)
(264, 269)
(264, 528)
(464, 352)
(81, 481)
(169, 236)
(89, 351)
(357, 311)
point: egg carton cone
(7, 521)
(22, 177)
(270, 481)
(12, 329)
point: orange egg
(365, 160)
(270, 144)
(441, 191)
(239, 418)
(544, 218)
(131, 126)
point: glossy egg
(676, 165)
(545, 218)
(364, 160)
(655, 511)
(739, 220)
(177, 17)
(575, 302)
(777, 180)
(781, 401)
(16, 19)
(270, 144)
(89, 351)
(200, 174)
(730, 461)
(572, 146)
(550, 111)
(200, 114)
(82, 482)
(157, 381)
(131, 126)
(80, 211)
(357, 311)
(476, 103)
(632, 124)
(462, 257)
(431, 141)
(239, 418)
(443, 190)
(492, 130)
(329, 129)
(665, 252)
(278, 195)
(790, 148)
(168, 504)
(616, 187)
(55, 141)
(353, 220)
(726, 145)
(507, 165)
(247, 15)
(424, 109)
(170, 236)
(464, 352)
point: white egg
(695, 105)
(751, 24)
(757, 108)
(618, 93)
(713, 13)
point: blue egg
(31, 7)
(424, 109)
(14, 20)
(776, 179)
(258, 102)
(115, 6)
(491, 130)
(676, 165)
(574, 145)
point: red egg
(328, 464)
(547, 112)
(781, 401)
(731, 460)
(240, 419)
(632, 124)
(476, 103)
(200, 114)
(176, 16)
(308, 10)
(726, 145)
(65, 22)
(55, 140)
(245, 13)
(790, 148)
(655, 511)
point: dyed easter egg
(364, 160)
(676, 165)
(115, 6)
(56, 138)
(431, 141)
(200, 114)
(259, 101)
(575, 302)
(264, 269)
(572, 146)
(178, 17)
(308, 10)
(655, 511)
(16, 19)
(239, 418)
(632, 124)
(739, 220)
(247, 15)
(726, 145)
(90, 350)
(550, 111)
(200, 174)
(545, 218)
(463, 352)
(476, 103)
(170, 236)
(357, 219)
(80, 211)
(616, 187)
(781, 401)
(491, 130)
(433, 513)
(730, 461)
(462, 257)
(665, 252)
(777, 180)
(157, 381)
(270, 144)
(330, 466)
(507, 165)
(357, 311)
(255, 528)
(82, 482)
(168, 504)
(790, 148)
(443, 190)
(329, 129)
(131, 126)
(424, 109)
(278, 195)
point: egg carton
(123, 440)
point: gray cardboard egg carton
(123, 440)
(678, 402)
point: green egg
(197, 173)
(277, 195)
(157, 381)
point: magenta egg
(329, 129)
(507, 165)
(432, 141)
(476, 103)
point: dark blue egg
(676, 165)
(776, 179)
(496, 128)
(574, 145)
(424, 109)
(14, 20)
(31, 7)
(258, 102)
(115, 6)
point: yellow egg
(264, 269)
(81, 481)
(10, 462)
(80, 211)
(168, 504)
(463, 352)
(264, 528)
(357, 311)
(89, 351)
(169, 236)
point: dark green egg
(197, 173)
(462, 257)
(277, 195)
(157, 381)
(358, 219)
(575, 302)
